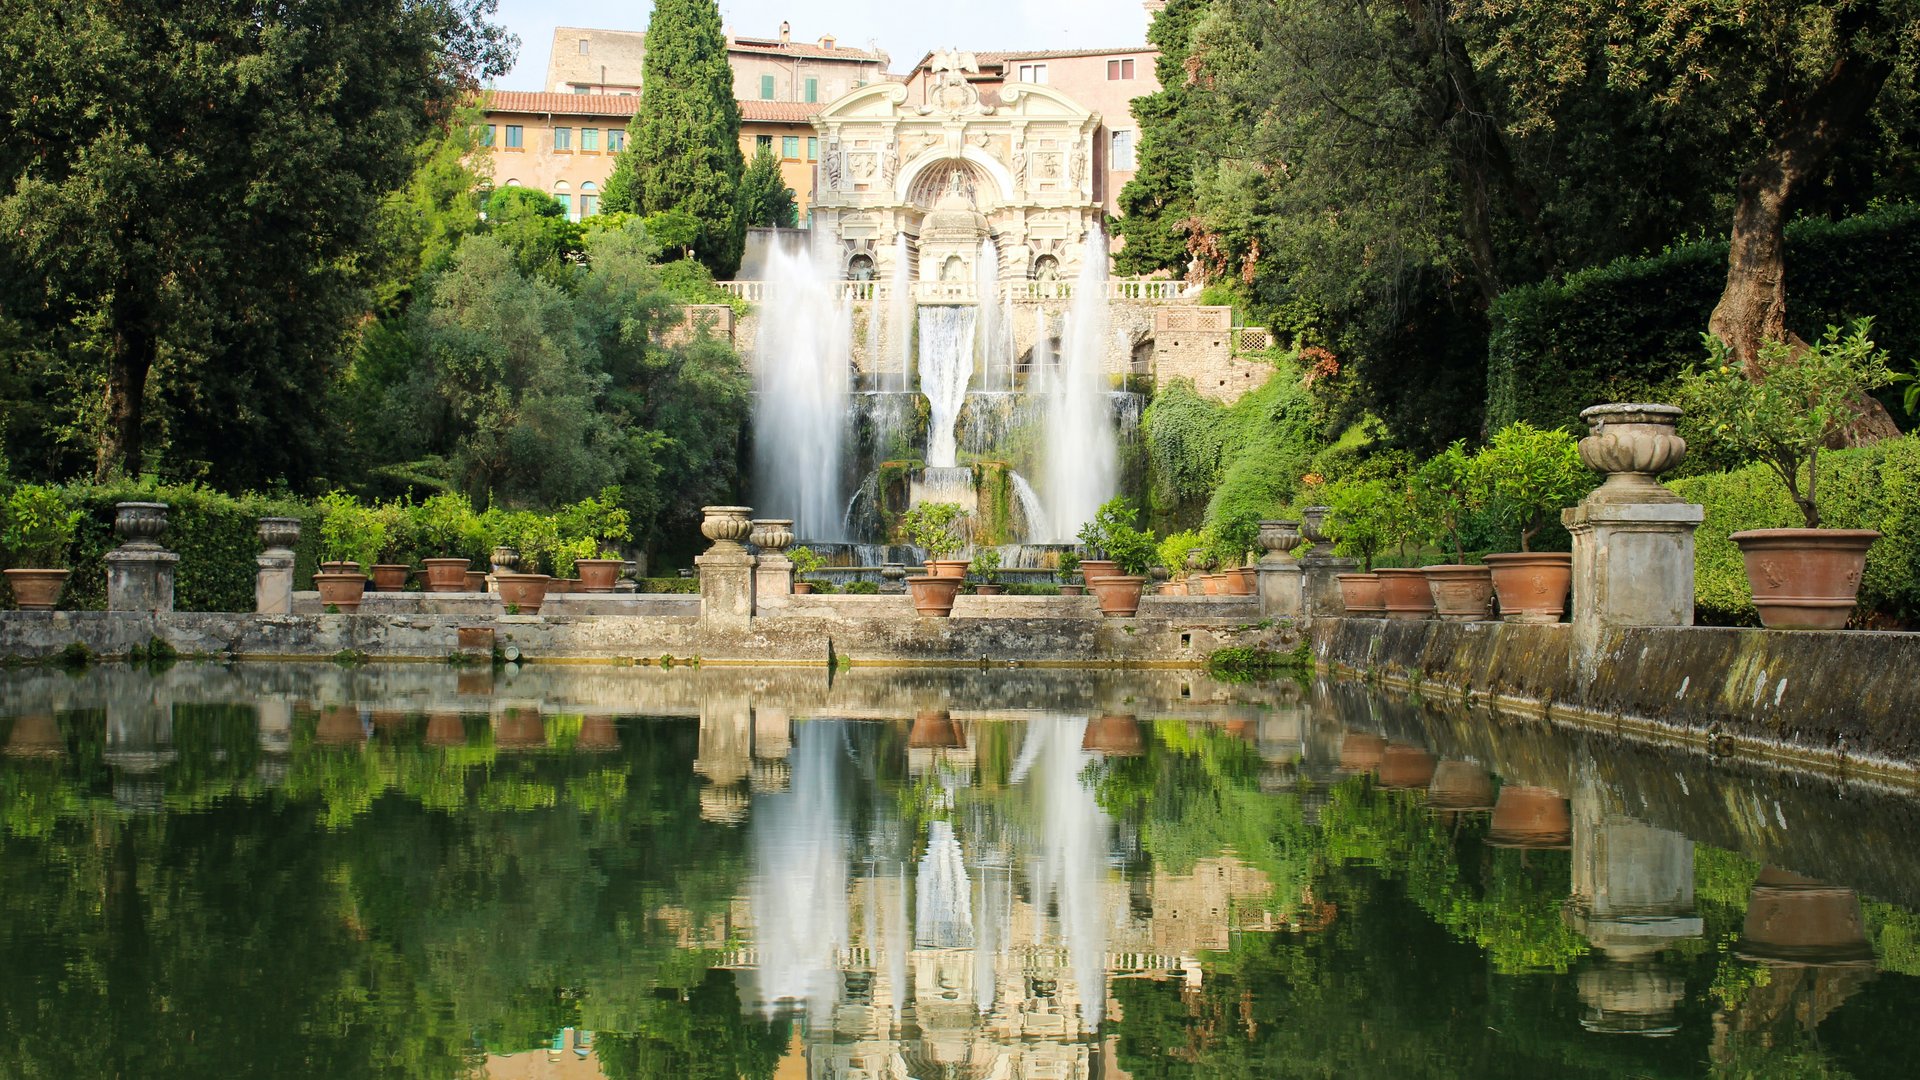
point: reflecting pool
(558, 872)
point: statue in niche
(1077, 169)
(833, 165)
(955, 269)
(860, 268)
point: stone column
(140, 571)
(773, 573)
(1632, 538)
(726, 570)
(1322, 567)
(1282, 582)
(273, 585)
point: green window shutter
(766, 88)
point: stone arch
(997, 191)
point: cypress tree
(683, 146)
(765, 198)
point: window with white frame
(1122, 159)
(1033, 73)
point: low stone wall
(860, 630)
(1839, 700)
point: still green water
(291, 871)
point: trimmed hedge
(1877, 487)
(215, 535)
(1623, 332)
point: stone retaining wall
(1839, 700)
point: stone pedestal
(273, 585)
(773, 571)
(1322, 585)
(1632, 538)
(726, 570)
(140, 571)
(1282, 583)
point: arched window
(511, 182)
(860, 268)
(589, 199)
(563, 195)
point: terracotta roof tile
(1002, 56)
(521, 101)
(804, 48)
(779, 111)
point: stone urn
(773, 536)
(505, 559)
(1632, 444)
(140, 525)
(894, 575)
(1278, 539)
(727, 526)
(1530, 817)
(1313, 524)
(278, 535)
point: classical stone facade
(890, 168)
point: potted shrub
(1525, 477)
(934, 528)
(536, 539)
(445, 525)
(1782, 416)
(1132, 552)
(604, 525)
(1445, 490)
(986, 566)
(398, 539)
(1069, 566)
(350, 538)
(1357, 523)
(1175, 550)
(38, 529)
(806, 563)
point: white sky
(905, 29)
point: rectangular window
(590, 139)
(562, 138)
(589, 204)
(790, 147)
(813, 148)
(486, 134)
(813, 91)
(616, 140)
(762, 142)
(766, 88)
(566, 204)
(583, 46)
(582, 88)
(1033, 73)
(1122, 151)
(514, 136)
(1119, 69)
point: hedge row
(1623, 332)
(1873, 488)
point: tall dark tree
(765, 199)
(187, 190)
(1157, 204)
(683, 146)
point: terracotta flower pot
(1794, 919)
(1361, 752)
(1213, 584)
(956, 568)
(520, 729)
(1532, 586)
(1530, 817)
(935, 730)
(1119, 595)
(1461, 593)
(36, 590)
(989, 590)
(1403, 766)
(342, 591)
(933, 594)
(1460, 785)
(1240, 581)
(446, 575)
(1405, 593)
(803, 588)
(598, 575)
(1093, 568)
(339, 567)
(1073, 590)
(1170, 588)
(1805, 579)
(1360, 594)
(390, 577)
(476, 581)
(523, 591)
(1116, 735)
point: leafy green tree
(535, 228)
(765, 199)
(683, 145)
(188, 190)
(1157, 204)
(424, 220)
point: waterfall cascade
(1081, 459)
(946, 369)
(900, 307)
(804, 375)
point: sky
(904, 29)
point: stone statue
(952, 65)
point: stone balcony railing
(1128, 290)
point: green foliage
(986, 564)
(1784, 414)
(533, 226)
(1363, 518)
(1625, 331)
(1228, 467)
(1157, 203)
(861, 588)
(349, 531)
(1113, 534)
(674, 229)
(806, 561)
(686, 586)
(446, 526)
(934, 528)
(36, 527)
(1446, 488)
(424, 220)
(1243, 663)
(765, 199)
(1174, 548)
(534, 535)
(683, 146)
(691, 282)
(599, 520)
(1876, 487)
(1527, 476)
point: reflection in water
(913, 875)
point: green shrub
(446, 527)
(1112, 533)
(677, 585)
(1625, 331)
(934, 528)
(1526, 476)
(37, 527)
(861, 588)
(350, 532)
(1877, 487)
